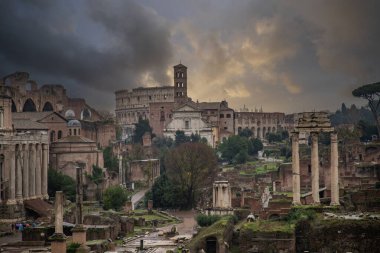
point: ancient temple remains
(314, 123)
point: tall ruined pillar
(58, 239)
(334, 170)
(32, 170)
(19, 161)
(38, 170)
(79, 231)
(315, 168)
(44, 177)
(12, 175)
(213, 195)
(296, 170)
(25, 171)
(120, 169)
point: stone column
(213, 196)
(25, 171)
(19, 161)
(38, 170)
(32, 170)
(44, 178)
(315, 168)
(12, 175)
(79, 231)
(58, 239)
(334, 170)
(120, 170)
(296, 170)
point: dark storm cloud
(105, 45)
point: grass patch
(270, 226)
(216, 230)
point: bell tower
(180, 84)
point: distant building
(23, 161)
(188, 118)
(260, 123)
(49, 105)
(140, 102)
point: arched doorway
(14, 108)
(85, 114)
(211, 245)
(47, 107)
(29, 106)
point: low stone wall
(250, 241)
(338, 235)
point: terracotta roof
(34, 116)
(75, 138)
(27, 124)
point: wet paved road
(160, 244)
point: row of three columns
(315, 169)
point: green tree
(371, 92)
(115, 198)
(110, 161)
(140, 129)
(97, 177)
(274, 137)
(255, 146)
(246, 132)
(191, 166)
(181, 138)
(232, 146)
(60, 182)
(166, 194)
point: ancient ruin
(314, 123)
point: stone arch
(264, 132)
(29, 106)
(273, 129)
(239, 129)
(59, 134)
(14, 107)
(48, 107)
(85, 114)
(253, 132)
(258, 133)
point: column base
(79, 234)
(11, 202)
(58, 243)
(334, 204)
(296, 203)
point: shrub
(115, 197)
(206, 220)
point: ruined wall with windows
(260, 123)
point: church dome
(74, 123)
(69, 114)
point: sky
(283, 56)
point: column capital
(334, 137)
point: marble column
(25, 171)
(213, 196)
(38, 170)
(58, 239)
(296, 170)
(44, 165)
(120, 169)
(315, 168)
(19, 162)
(12, 175)
(32, 171)
(334, 170)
